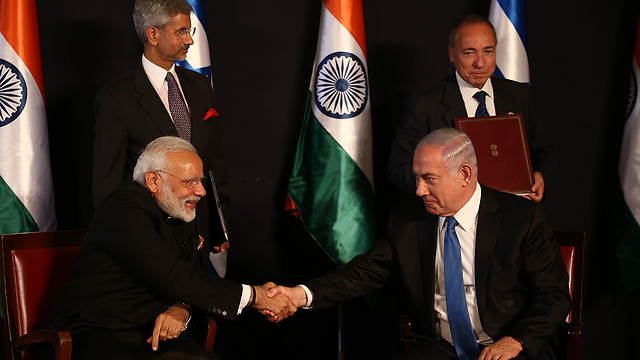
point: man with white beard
(142, 268)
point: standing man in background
(156, 99)
(472, 50)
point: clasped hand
(275, 307)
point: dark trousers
(109, 344)
(434, 349)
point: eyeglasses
(183, 32)
(191, 183)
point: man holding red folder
(472, 45)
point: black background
(262, 54)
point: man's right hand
(276, 308)
(297, 294)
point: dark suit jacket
(134, 264)
(130, 114)
(521, 281)
(436, 108)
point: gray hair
(470, 19)
(154, 156)
(156, 13)
(457, 148)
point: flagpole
(340, 332)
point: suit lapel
(426, 229)
(501, 97)
(486, 237)
(452, 101)
(151, 103)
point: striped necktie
(482, 107)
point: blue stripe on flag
(202, 46)
(516, 12)
(198, 10)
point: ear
(450, 48)
(466, 174)
(152, 35)
(153, 181)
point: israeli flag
(198, 58)
(509, 19)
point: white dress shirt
(467, 91)
(157, 76)
(467, 218)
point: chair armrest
(574, 331)
(405, 329)
(59, 339)
(212, 330)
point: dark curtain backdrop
(262, 54)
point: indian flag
(628, 248)
(332, 179)
(26, 188)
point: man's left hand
(504, 349)
(169, 325)
(537, 189)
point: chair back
(35, 268)
(572, 248)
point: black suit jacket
(438, 107)
(134, 264)
(130, 114)
(521, 281)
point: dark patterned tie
(178, 109)
(482, 107)
(464, 339)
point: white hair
(154, 156)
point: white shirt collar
(156, 74)
(468, 91)
(467, 215)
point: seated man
(482, 273)
(142, 268)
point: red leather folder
(501, 147)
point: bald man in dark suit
(514, 281)
(472, 45)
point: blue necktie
(482, 107)
(464, 339)
(178, 109)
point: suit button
(219, 311)
(224, 313)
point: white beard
(174, 206)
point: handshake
(278, 302)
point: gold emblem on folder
(494, 149)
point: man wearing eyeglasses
(157, 99)
(142, 269)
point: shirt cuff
(244, 299)
(309, 303)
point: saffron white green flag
(332, 180)
(26, 188)
(628, 248)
